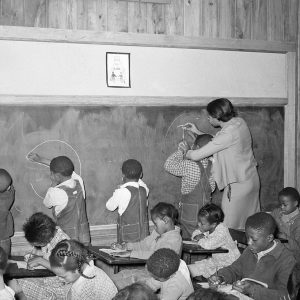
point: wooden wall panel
(243, 21)
(117, 16)
(226, 19)
(191, 18)
(209, 18)
(276, 20)
(259, 20)
(156, 18)
(174, 17)
(137, 17)
(12, 12)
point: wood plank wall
(273, 20)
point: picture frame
(118, 70)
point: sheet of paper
(23, 264)
(190, 242)
(111, 251)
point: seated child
(265, 260)
(212, 234)
(43, 234)
(66, 197)
(136, 291)
(210, 294)
(287, 218)
(197, 183)
(169, 274)
(131, 201)
(7, 198)
(77, 277)
(164, 235)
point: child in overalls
(197, 183)
(66, 197)
(131, 201)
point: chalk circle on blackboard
(174, 133)
(40, 174)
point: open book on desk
(255, 281)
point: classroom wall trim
(132, 100)
(138, 39)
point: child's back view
(66, 197)
(7, 198)
(170, 275)
(131, 201)
(197, 183)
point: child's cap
(261, 221)
(3, 260)
(163, 263)
(5, 180)
(132, 169)
(62, 165)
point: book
(255, 281)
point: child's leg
(50, 288)
(6, 245)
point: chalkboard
(98, 139)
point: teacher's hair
(221, 109)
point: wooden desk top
(196, 249)
(13, 271)
(113, 260)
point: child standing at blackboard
(66, 197)
(7, 198)
(131, 201)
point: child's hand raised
(183, 147)
(34, 157)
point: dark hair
(163, 263)
(207, 294)
(39, 228)
(221, 109)
(261, 221)
(290, 192)
(62, 165)
(212, 212)
(3, 260)
(5, 180)
(136, 291)
(70, 255)
(203, 139)
(132, 169)
(163, 209)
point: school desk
(13, 271)
(191, 248)
(115, 262)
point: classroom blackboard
(98, 139)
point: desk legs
(116, 269)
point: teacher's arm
(220, 142)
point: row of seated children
(77, 277)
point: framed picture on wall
(118, 69)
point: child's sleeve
(55, 197)
(120, 198)
(214, 240)
(175, 164)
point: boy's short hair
(132, 169)
(3, 260)
(290, 192)
(207, 294)
(261, 221)
(5, 180)
(62, 165)
(136, 291)
(39, 228)
(212, 212)
(163, 263)
(202, 139)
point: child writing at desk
(212, 234)
(7, 198)
(131, 201)
(165, 235)
(265, 260)
(66, 197)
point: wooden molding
(87, 100)
(150, 1)
(17, 33)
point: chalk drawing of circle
(40, 174)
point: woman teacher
(234, 166)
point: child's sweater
(284, 222)
(143, 249)
(274, 269)
(178, 287)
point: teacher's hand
(192, 127)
